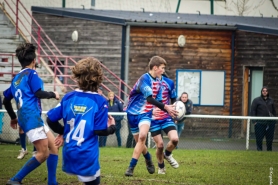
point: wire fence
(199, 132)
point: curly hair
(26, 54)
(88, 74)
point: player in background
(22, 139)
(85, 116)
(26, 89)
(162, 121)
(145, 94)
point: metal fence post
(247, 134)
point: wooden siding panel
(204, 49)
(100, 40)
(255, 50)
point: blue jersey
(82, 113)
(168, 93)
(23, 88)
(146, 86)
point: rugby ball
(179, 106)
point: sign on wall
(203, 87)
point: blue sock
(147, 156)
(133, 162)
(52, 162)
(29, 166)
(22, 138)
(167, 153)
(161, 165)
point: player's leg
(52, 160)
(90, 180)
(22, 138)
(170, 129)
(38, 137)
(156, 129)
(159, 152)
(139, 125)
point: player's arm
(53, 116)
(153, 101)
(110, 130)
(35, 84)
(55, 126)
(44, 94)
(8, 106)
(101, 128)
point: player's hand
(156, 112)
(57, 95)
(14, 123)
(111, 121)
(171, 110)
(59, 141)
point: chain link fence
(200, 132)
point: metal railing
(200, 132)
(53, 60)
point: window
(205, 88)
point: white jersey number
(78, 133)
(18, 94)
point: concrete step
(9, 41)
(13, 37)
(2, 16)
(6, 31)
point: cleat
(171, 161)
(129, 171)
(11, 182)
(150, 166)
(22, 153)
(161, 170)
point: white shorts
(37, 133)
(87, 178)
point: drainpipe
(178, 6)
(127, 40)
(211, 7)
(232, 84)
(64, 3)
(123, 66)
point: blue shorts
(166, 125)
(135, 121)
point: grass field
(214, 167)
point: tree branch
(273, 4)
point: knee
(175, 141)
(159, 147)
(142, 137)
(42, 155)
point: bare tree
(242, 7)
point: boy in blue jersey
(26, 89)
(146, 94)
(85, 116)
(163, 121)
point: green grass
(214, 167)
